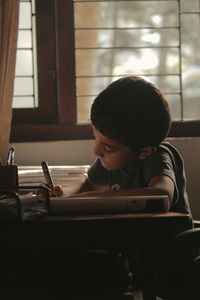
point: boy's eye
(109, 149)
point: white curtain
(9, 18)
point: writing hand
(56, 191)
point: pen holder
(8, 178)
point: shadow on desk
(75, 275)
(49, 253)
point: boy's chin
(108, 167)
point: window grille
(158, 40)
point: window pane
(24, 39)
(175, 106)
(25, 15)
(125, 14)
(126, 38)
(24, 62)
(190, 39)
(23, 86)
(23, 102)
(167, 84)
(94, 85)
(127, 61)
(191, 93)
(84, 105)
(189, 5)
(191, 66)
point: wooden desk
(98, 232)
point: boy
(130, 120)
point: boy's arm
(84, 186)
(158, 185)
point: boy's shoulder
(170, 150)
(167, 147)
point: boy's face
(113, 154)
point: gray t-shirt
(165, 161)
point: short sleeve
(159, 163)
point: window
(25, 86)
(76, 48)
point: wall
(80, 152)
(56, 153)
(190, 150)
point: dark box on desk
(9, 202)
(8, 177)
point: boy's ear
(147, 151)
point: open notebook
(128, 204)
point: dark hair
(132, 111)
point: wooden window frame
(55, 119)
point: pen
(47, 174)
(10, 156)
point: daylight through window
(59, 71)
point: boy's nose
(98, 150)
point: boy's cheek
(111, 165)
(107, 164)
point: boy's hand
(56, 191)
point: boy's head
(132, 111)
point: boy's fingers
(53, 191)
(57, 190)
(42, 193)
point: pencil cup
(8, 177)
